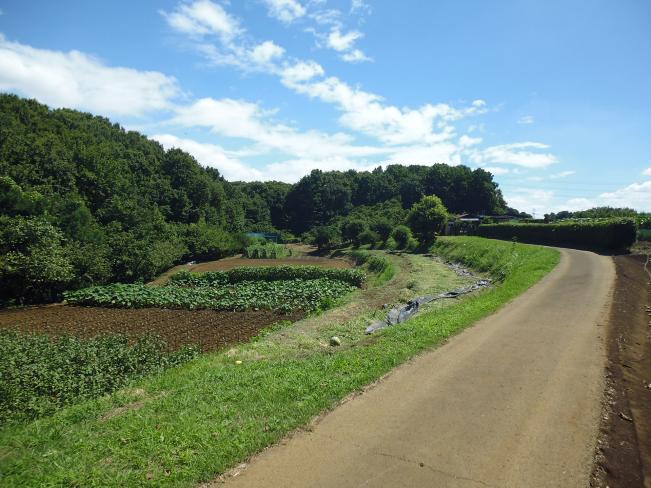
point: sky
(552, 97)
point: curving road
(512, 402)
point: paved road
(512, 402)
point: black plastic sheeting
(398, 315)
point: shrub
(427, 218)
(607, 234)
(353, 277)
(401, 234)
(369, 237)
(351, 231)
(383, 228)
(42, 374)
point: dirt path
(511, 402)
(624, 456)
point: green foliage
(283, 296)
(368, 237)
(383, 228)
(233, 276)
(352, 230)
(401, 235)
(592, 213)
(41, 374)
(612, 234)
(326, 237)
(33, 261)
(267, 250)
(427, 218)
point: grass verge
(208, 415)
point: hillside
(83, 201)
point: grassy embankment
(195, 421)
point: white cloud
(77, 80)
(467, 141)
(203, 17)
(562, 174)
(211, 155)
(301, 72)
(355, 56)
(517, 153)
(530, 200)
(286, 11)
(636, 195)
(342, 42)
(266, 52)
(246, 120)
(526, 119)
(290, 170)
(647, 172)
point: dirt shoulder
(623, 458)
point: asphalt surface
(514, 401)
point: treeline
(84, 202)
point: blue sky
(552, 97)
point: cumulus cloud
(636, 195)
(519, 153)
(246, 120)
(203, 17)
(287, 11)
(77, 80)
(355, 56)
(213, 156)
(342, 42)
(526, 119)
(647, 172)
(288, 170)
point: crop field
(209, 330)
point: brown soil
(238, 261)
(207, 329)
(623, 458)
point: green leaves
(39, 374)
(284, 296)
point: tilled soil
(207, 329)
(623, 457)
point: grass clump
(40, 374)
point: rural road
(512, 402)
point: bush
(610, 234)
(402, 235)
(42, 374)
(353, 277)
(383, 228)
(427, 218)
(326, 237)
(352, 231)
(369, 237)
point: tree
(352, 230)
(383, 229)
(427, 218)
(402, 235)
(33, 263)
(326, 236)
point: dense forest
(83, 201)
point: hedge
(353, 277)
(613, 234)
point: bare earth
(512, 402)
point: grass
(206, 416)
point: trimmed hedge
(353, 277)
(610, 234)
